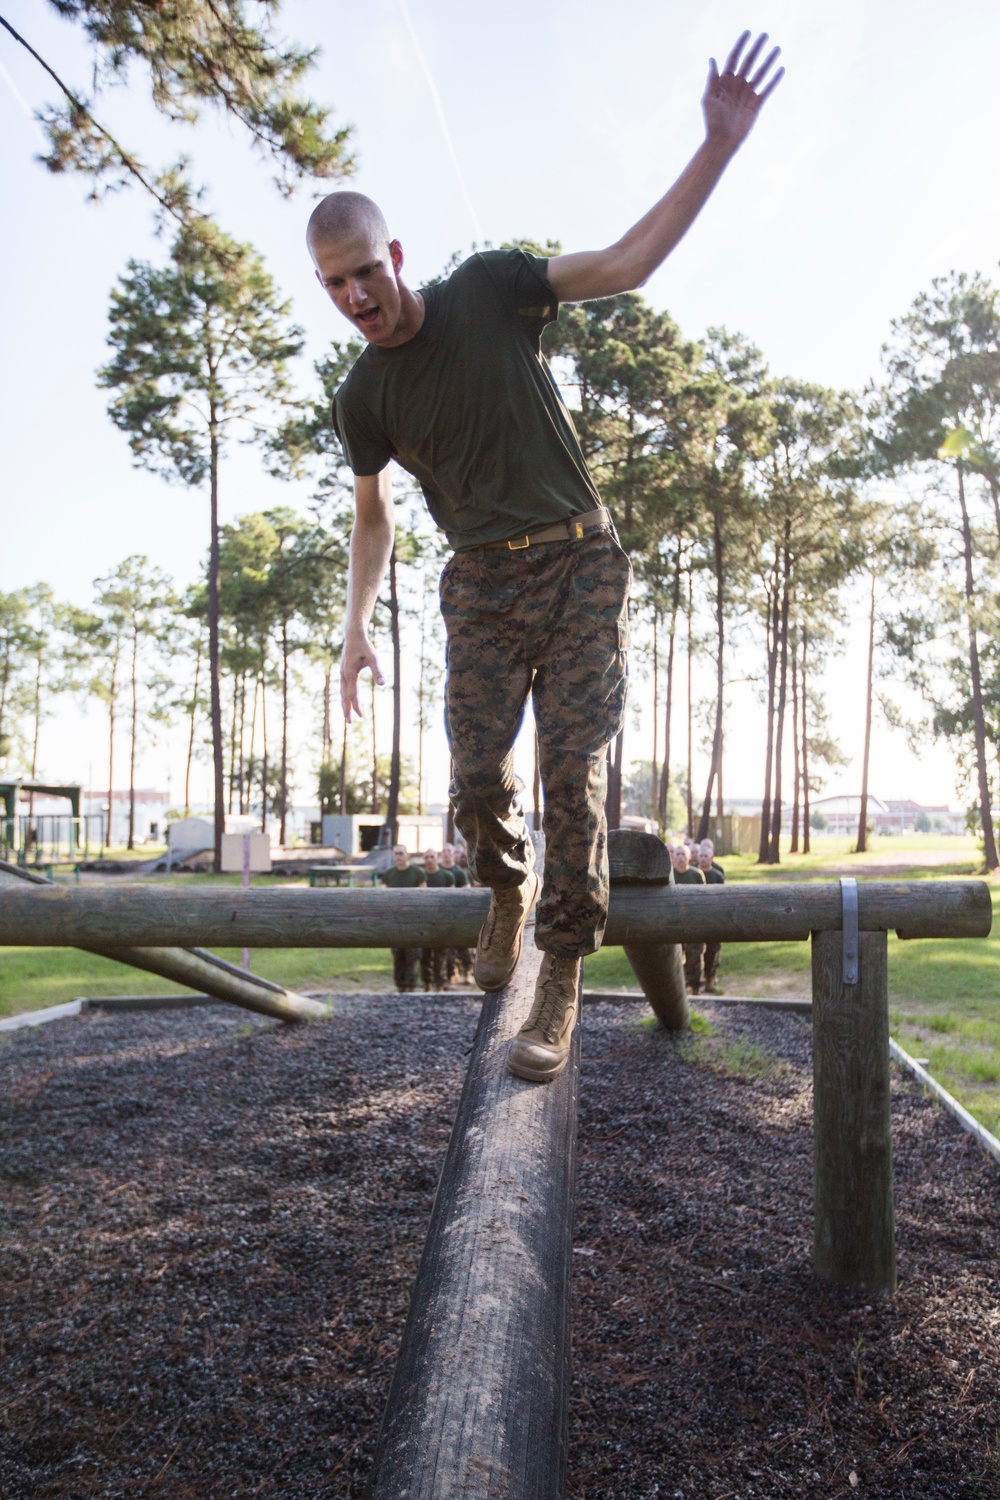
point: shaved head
(358, 267)
(346, 216)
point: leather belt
(573, 529)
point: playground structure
(46, 838)
(478, 1403)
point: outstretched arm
(730, 104)
(371, 544)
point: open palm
(731, 100)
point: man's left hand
(731, 101)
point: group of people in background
(446, 968)
(440, 968)
(695, 864)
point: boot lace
(550, 1005)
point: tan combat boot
(499, 946)
(540, 1050)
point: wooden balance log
(479, 1400)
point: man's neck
(411, 318)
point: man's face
(681, 858)
(400, 857)
(447, 857)
(430, 861)
(705, 858)
(360, 277)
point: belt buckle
(520, 546)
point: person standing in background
(433, 961)
(458, 961)
(402, 876)
(714, 875)
(694, 953)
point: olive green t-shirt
(440, 876)
(691, 876)
(469, 407)
(403, 879)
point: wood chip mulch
(211, 1224)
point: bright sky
(867, 175)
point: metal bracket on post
(849, 899)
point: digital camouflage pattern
(551, 620)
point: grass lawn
(944, 996)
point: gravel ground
(211, 1224)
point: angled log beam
(199, 971)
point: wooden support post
(855, 1243)
(477, 1408)
(659, 969)
(642, 859)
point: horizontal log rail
(145, 916)
(188, 966)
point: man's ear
(318, 276)
(396, 252)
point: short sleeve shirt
(403, 879)
(469, 407)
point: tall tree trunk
(392, 806)
(668, 708)
(806, 791)
(343, 772)
(190, 748)
(690, 711)
(715, 770)
(449, 822)
(232, 745)
(326, 750)
(112, 710)
(215, 686)
(978, 716)
(796, 761)
(420, 696)
(995, 497)
(283, 828)
(37, 732)
(764, 847)
(374, 806)
(263, 744)
(133, 734)
(775, 850)
(862, 843)
(241, 777)
(251, 751)
(654, 772)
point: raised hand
(731, 100)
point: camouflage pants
(433, 968)
(551, 621)
(694, 967)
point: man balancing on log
(452, 386)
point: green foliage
(224, 53)
(201, 349)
